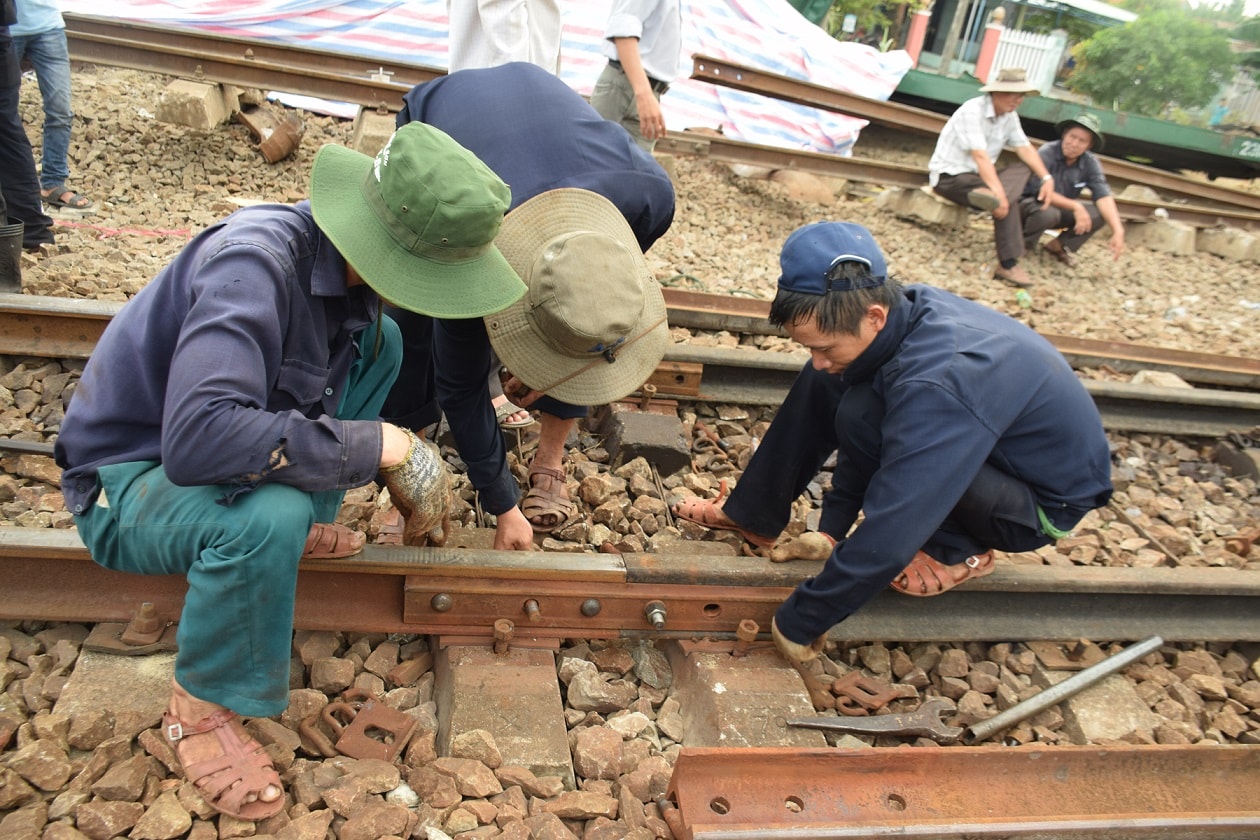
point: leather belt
(658, 87)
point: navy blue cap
(811, 253)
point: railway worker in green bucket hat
(1075, 167)
(232, 402)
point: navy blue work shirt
(229, 366)
(1069, 181)
(537, 134)
(962, 385)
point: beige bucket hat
(591, 326)
(1011, 80)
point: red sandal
(925, 576)
(226, 780)
(328, 541)
(708, 512)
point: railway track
(64, 328)
(252, 63)
(464, 590)
(460, 597)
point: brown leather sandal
(925, 576)
(708, 512)
(544, 500)
(391, 528)
(242, 769)
(328, 540)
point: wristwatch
(1046, 177)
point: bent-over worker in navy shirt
(957, 431)
(586, 203)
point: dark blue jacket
(962, 385)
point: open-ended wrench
(924, 722)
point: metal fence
(1040, 55)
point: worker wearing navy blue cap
(957, 430)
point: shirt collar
(328, 280)
(883, 347)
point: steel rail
(254, 63)
(243, 62)
(49, 576)
(962, 793)
(50, 327)
(922, 121)
(750, 377)
(750, 316)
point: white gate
(1039, 55)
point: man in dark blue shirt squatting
(587, 202)
(232, 402)
(957, 431)
(1072, 161)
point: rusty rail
(462, 590)
(244, 62)
(65, 328)
(964, 793)
(921, 121)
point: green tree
(1249, 33)
(872, 17)
(1162, 58)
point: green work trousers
(241, 560)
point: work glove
(811, 545)
(420, 487)
(795, 653)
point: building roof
(1090, 9)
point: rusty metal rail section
(244, 62)
(253, 63)
(66, 328)
(463, 591)
(965, 793)
(894, 115)
(700, 310)
(751, 377)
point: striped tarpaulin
(767, 34)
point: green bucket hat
(418, 222)
(1088, 122)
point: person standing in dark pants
(19, 184)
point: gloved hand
(811, 545)
(795, 653)
(420, 487)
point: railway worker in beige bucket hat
(231, 403)
(589, 329)
(963, 167)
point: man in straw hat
(586, 203)
(963, 165)
(1071, 162)
(230, 404)
(955, 429)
